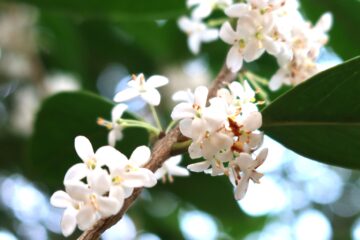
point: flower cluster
(97, 187)
(194, 26)
(224, 132)
(278, 28)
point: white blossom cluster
(258, 26)
(224, 132)
(195, 27)
(278, 28)
(97, 187)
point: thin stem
(257, 78)
(170, 126)
(134, 123)
(156, 117)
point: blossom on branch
(146, 89)
(223, 131)
(98, 187)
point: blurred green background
(47, 46)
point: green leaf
(117, 9)
(320, 118)
(62, 118)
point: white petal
(185, 127)
(237, 10)
(112, 136)
(183, 96)
(252, 51)
(139, 178)
(244, 161)
(118, 111)
(253, 121)
(184, 24)
(234, 59)
(255, 176)
(110, 157)
(86, 217)
(84, 148)
(249, 92)
(195, 151)
(108, 206)
(194, 43)
(182, 110)
(156, 81)
(151, 96)
(128, 191)
(68, 221)
(190, 3)
(236, 89)
(325, 22)
(61, 199)
(210, 35)
(227, 34)
(76, 172)
(256, 140)
(261, 157)
(140, 156)
(199, 167)
(77, 190)
(160, 173)
(200, 96)
(99, 181)
(202, 11)
(277, 80)
(271, 46)
(242, 187)
(126, 95)
(117, 192)
(178, 171)
(174, 160)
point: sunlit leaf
(320, 118)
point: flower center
(117, 180)
(91, 163)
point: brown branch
(161, 152)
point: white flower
(245, 169)
(252, 37)
(90, 160)
(99, 201)
(115, 133)
(61, 199)
(128, 174)
(197, 33)
(170, 168)
(145, 89)
(240, 50)
(204, 8)
(193, 106)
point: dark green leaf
(320, 118)
(117, 9)
(62, 118)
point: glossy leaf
(62, 118)
(320, 118)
